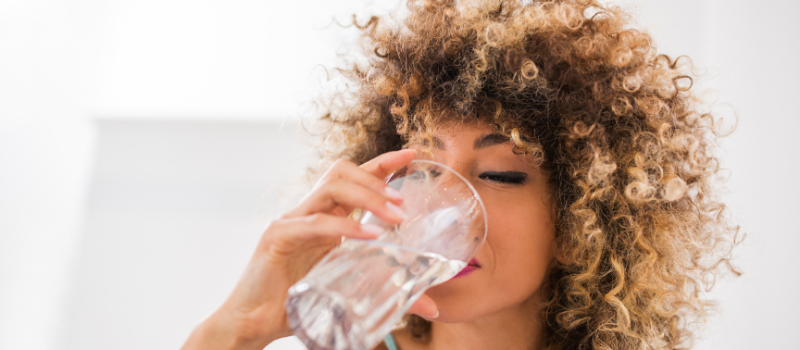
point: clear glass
(358, 292)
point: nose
(449, 185)
(455, 192)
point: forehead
(478, 138)
(473, 127)
(463, 139)
(476, 135)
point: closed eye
(505, 177)
(423, 174)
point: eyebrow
(489, 140)
(484, 141)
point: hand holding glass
(357, 293)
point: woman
(588, 148)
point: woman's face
(520, 241)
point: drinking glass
(357, 293)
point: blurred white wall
(143, 145)
(752, 50)
(47, 49)
(174, 212)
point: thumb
(425, 307)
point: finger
(338, 192)
(320, 225)
(347, 170)
(387, 163)
(425, 307)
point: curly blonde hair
(628, 150)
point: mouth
(471, 266)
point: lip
(471, 266)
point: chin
(459, 300)
(453, 313)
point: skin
(495, 306)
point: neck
(517, 327)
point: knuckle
(341, 164)
(330, 183)
(354, 225)
(315, 219)
(377, 184)
(273, 228)
(285, 216)
(275, 224)
(347, 226)
(325, 181)
(327, 187)
(378, 200)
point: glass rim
(469, 184)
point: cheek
(522, 242)
(515, 259)
(519, 248)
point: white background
(144, 144)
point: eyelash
(506, 177)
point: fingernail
(395, 209)
(434, 316)
(371, 229)
(393, 193)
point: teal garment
(390, 343)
